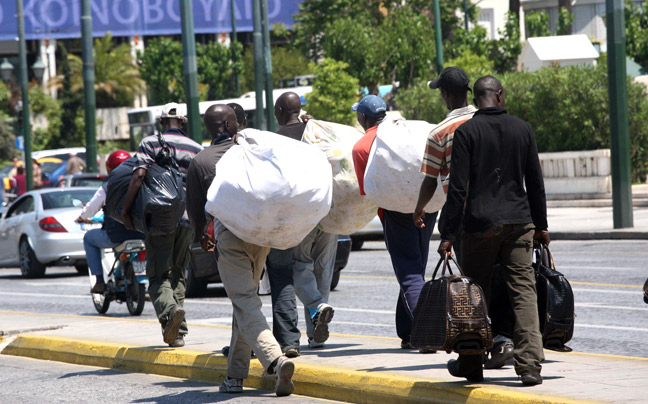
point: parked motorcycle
(125, 278)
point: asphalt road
(606, 276)
(55, 382)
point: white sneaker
(321, 320)
(231, 386)
(283, 377)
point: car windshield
(66, 199)
(88, 182)
(49, 168)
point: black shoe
(172, 326)
(99, 288)
(291, 351)
(500, 355)
(531, 378)
(427, 350)
(405, 344)
(178, 343)
(473, 372)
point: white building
(564, 50)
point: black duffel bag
(555, 303)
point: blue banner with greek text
(62, 18)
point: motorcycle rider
(111, 234)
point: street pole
(190, 69)
(235, 39)
(22, 53)
(257, 40)
(465, 6)
(619, 134)
(270, 119)
(437, 36)
(88, 86)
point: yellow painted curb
(310, 380)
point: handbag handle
(544, 256)
(445, 260)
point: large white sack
(272, 193)
(393, 176)
(350, 211)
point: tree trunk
(514, 8)
(568, 6)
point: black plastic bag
(118, 181)
(161, 199)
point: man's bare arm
(133, 188)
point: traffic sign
(20, 143)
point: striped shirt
(183, 147)
(438, 149)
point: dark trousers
(408, 247)
(279, 265)
(512, 246)
(167, 256)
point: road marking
(48, 284)
(228, 321)
(623, 292)
(600, 306)
(88, 296)
(611, 327)
(615, 285)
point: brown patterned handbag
(451, 314)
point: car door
(18, 215)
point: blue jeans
(93, 242)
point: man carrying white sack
(408, 245)
(239, 263)
(305, 270)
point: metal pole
(22, 53)
(235, 39)
(270, 118)
(88, 86)
(465, 6)
(190, 69)
(437, 36)
(257, 40)
(619, 134)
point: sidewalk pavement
(351, 368)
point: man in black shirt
(497, 185)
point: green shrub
(334, 91)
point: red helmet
(116, 158)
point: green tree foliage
(286, 63)
(636, 26)
(474, 42)
(71, 101)
(567, 107)
(537, 24)
(334, 91)
(161, 67)
(565, 21)
(43, 104)
(506, 50)
(117, 78)
(7, 137)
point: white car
(39, 230)
(371, 232)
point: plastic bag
(118, 181)
(350, 211)
(270, 190)
(393, 176)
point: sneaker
(531, 378)
(467, 367)
(314, 345)
(499, 355)
(170, 333)
(321, 319)
(231, 386)
(291, 351)
(283, 372)
(427, 350)
(99, 288)
(405, 344)
(178, 343)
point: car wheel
(335, 280)
(356, 244)
(29, 265)
(82, 269)
(195, 287)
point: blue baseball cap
(372, 106)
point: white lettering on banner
(76, 12)
(48, 17)
(134, 9)
(207, 7)
(277, 9)
(172, 14)
(28, 12)
(1, 14)
(248, 9)
(101, 12)
(223, 10)
(153, 7)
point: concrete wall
(112, 124)
(577, 172)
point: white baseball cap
(173, 110)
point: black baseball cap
(452, 79)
